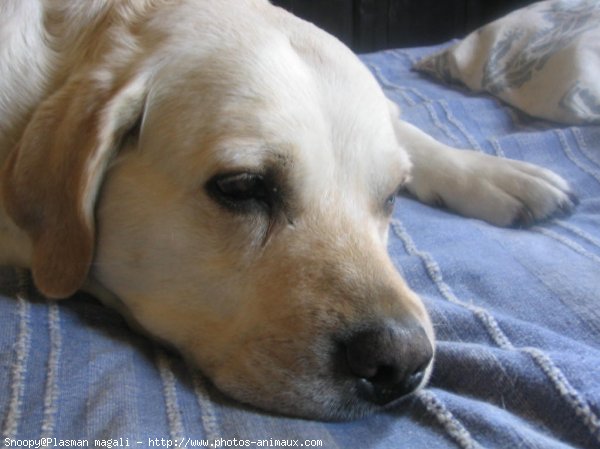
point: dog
(223, 174)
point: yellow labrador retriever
(223, 173)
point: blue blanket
(516, 313)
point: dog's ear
(51, 179)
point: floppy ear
(52, 177)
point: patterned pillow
(543, 59)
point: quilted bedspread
(516, 312)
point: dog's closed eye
(390, 201)
(244, 192)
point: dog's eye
(390, 202)
(242, 186)
(241, 192)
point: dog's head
(234, 191)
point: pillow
(543, 59)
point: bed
(516, 312)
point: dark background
(369, 25)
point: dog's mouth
(369, 369)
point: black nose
(389, 361)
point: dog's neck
(15, 245)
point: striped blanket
(517, 315)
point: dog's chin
(323, 400)
(314, 404)
(330, 408)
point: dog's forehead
(290, 100)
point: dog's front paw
(534, 194)
(500, 191)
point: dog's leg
(500, 191)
